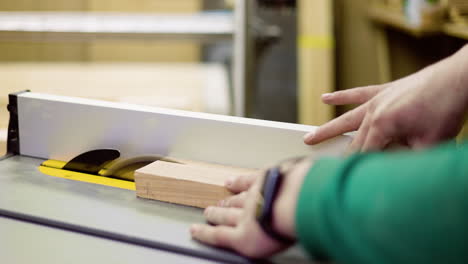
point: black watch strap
(270, 188)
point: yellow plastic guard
(54, 168)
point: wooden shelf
(109, 25)
(456, 30)
(398, 20)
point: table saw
(67, 219)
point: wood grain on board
(195, 184)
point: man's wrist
(284, 209)
(460, 79)
(283, 218)
(464, 56)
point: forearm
(387, 208)
(460, 66)
(445, 90)
(455, 70)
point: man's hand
(418, 111)
(236, 226)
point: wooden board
(194, 184)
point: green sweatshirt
(379, 208)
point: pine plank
(195, 184)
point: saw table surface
(23, 242)
(105, 212)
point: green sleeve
(408, 207)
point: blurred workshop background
(266, 59)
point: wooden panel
(180, 6)
(103, 5)
(358, 46)
(40, 51)
(315, 57)
(61, 5)
(144, 51)
(19, 5)
(197, 184)
(102, 51)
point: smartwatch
(270, 188)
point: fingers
(240, 183)
(220, 236)
(352, 96)
(375, 140)
(381, 133)
(345, 123)
(349, 121)
(360, 138)
(237, 200)
(229, 216)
